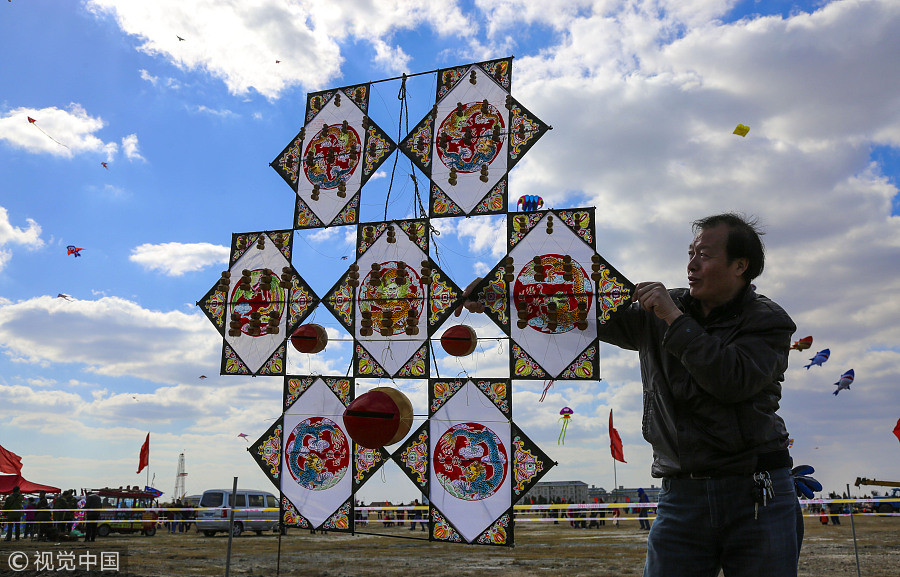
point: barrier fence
(392, 513)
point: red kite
(33, 122)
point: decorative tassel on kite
(566, 413)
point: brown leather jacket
(711, 386)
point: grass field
(541, 549)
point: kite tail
(562, 433)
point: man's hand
(654, 297)
(473, 306)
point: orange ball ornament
(309, 338)
(459, 340)
(381, 417)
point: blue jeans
(703, 525)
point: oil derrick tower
(179, 479)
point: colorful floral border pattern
(580, 222)
(448, 80)
(374, 155)
(289, 161)
(493, 201)
(340, 387)
(416, 229)
(611, 294)
(441, 204)
(301, 301)
(340, 521)
(416, 366)
(341, 301)
(497, 533)
(423, 131)
(304, 216)
(358, 94)
(500, 70)
(493, 296)
(441, 530)
(366, 460)
(233, 363)
(521, 121)
(441, 298)
(522, 223)
(275, 364)
(215, 307)
(583, 366)
(366, 365)
(497, 392)
(291, 517)
(415, 458)
(242, 244)
(443, 390)
(377, 230)
(524, 365)
(525, 465)
(270, 452)
(317, 102)
(295, 388)
(349, 214)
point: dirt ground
(541, 549)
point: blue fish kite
(844, 383)
(530, 203)
(820, 358)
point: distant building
(579, 492)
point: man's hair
(743, 240)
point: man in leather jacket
(713, 358)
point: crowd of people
(41, 518)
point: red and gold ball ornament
(459, 340)
(380, 417)
(310, 338)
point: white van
(212, 516)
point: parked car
(119, 514)
(248, 507)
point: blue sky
(642, 96)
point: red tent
(7, 482)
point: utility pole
(179, 491)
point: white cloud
(239, 42)
(130, 147)
(55, 131)
(109, 336)
(175, 259)
(29, 238)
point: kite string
(404, 111)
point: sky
(188, 101)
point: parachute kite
(820, 358)
(73, 250)
(802, 344)
(844, 382)
(566, 413)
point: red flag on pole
(10, 462)
(897, 430)
(145, 454)
(615, 442)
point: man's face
(711, 278)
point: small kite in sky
(243, 436)
(566, 413)
(530, 202)
(802, 344)
(104, 165)
(820, 358)
(33, 122)
(897, 430)
(844, 383)
(180, 39)
(64, 296)
(741, 130)
(202, 377)
(73, 250)
(278, 62)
